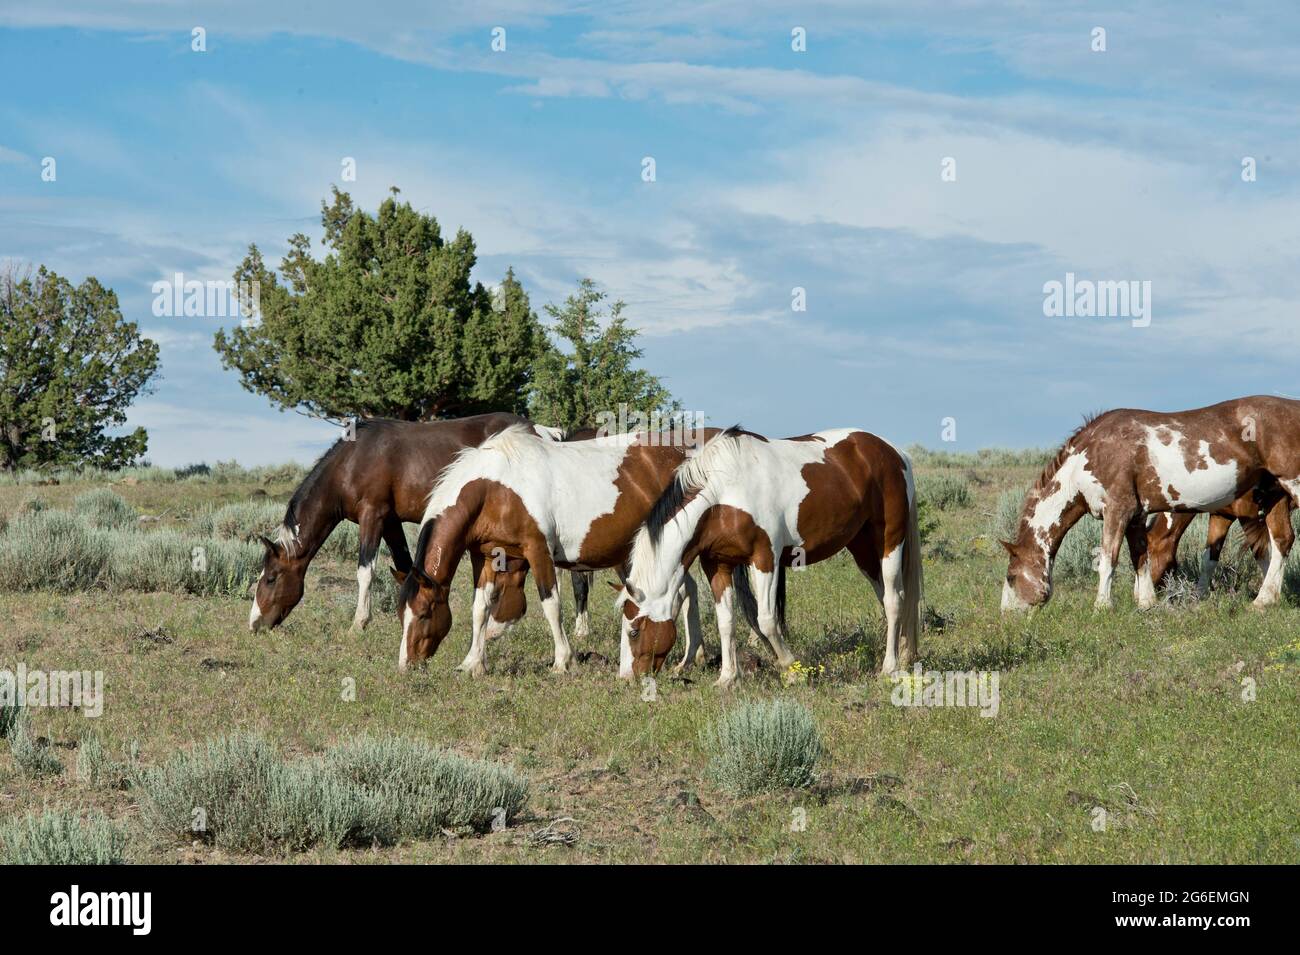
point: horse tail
(913, 583)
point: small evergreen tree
(388, 324)
(571, 389)
(70, 366)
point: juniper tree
(70, 366)
(387, 324)
(577, 387)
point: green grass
(1140, 713)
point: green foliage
(757, 747)
(68, 357)
(105, 510)
(33, 757)
(388, 324)
(573, 389)
(10, 713)
(1005, 524)
(60, 837)
(362, 792)
(52, 550)
(983, 458)
(56, 550)
(245, 519)
(944, 490)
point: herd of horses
(517, 497)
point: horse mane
(512, 442)
(411, 585)
(287, 533)
(691, 476)
(1053, 465)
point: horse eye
(634, 632)
(271, 579)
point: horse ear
(618, 588)
(1011, 548)
(269, 544)
(398, 575)
(421, 576)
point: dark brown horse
(1126, 464)
(1265, 518)
(377, 480)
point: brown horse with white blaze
(377, 480)
(573, 505)
(749, 508)
(1125, 464)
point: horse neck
(316, 517)
(1055, 513)
(658, 568)
(446, 543)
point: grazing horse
(748, 504)
(1123, 465)
(574, 505)
(1265, 518)
(377, 480)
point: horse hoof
(474, 670)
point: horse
(573, 505)
(1125, 464)
(1265, 518)
(749, 508)
(377, 480)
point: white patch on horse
(1270, 592)
(407, 616)
(544, 474)
(1207, 487)
(365, 572)
(763, 479)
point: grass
(1141, 713)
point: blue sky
(775, 169)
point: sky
(921, 170)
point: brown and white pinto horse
(1265, 518)
(748, 508)
(377, 480)
(572, 505)
(1125, 464)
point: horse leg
(372, 528)
(865, 548)
(581, 580)
(475, 662)
(1144, 588)
(770, 625)
(724, 603)
(395, 538)
(538, 556)
(1281, 535)
(1214, 540)
(690, 621)
(1114, 522)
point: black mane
(675, 496)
